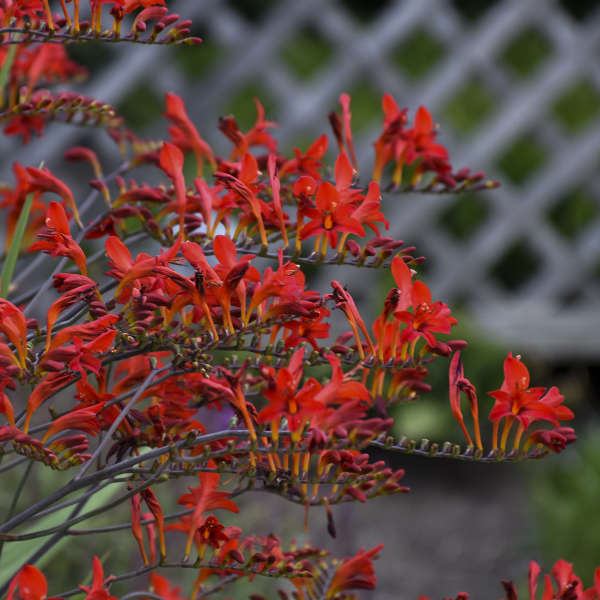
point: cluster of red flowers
(566, 585)
(38, 15)
(354, 573)
(143, 354)
(39, 58)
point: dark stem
(78, 519)
(67, 503)
(49, 544)
(121, 526)
(17, 495)
(110, 471)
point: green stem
(5, 70)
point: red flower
(286, 282)
(308, 163)
(171, 162)
(183, 132)
(87, 331)
(393, 123)
(81, 293)
(83, 419)
(341, 387)
(515, 399)
(285, 400)
(569, 586)
(354, 573)
(226, 278)
(79, 356)
(57, 240)
(307, 329)
(429, 317)
(125, 269)
(203, 498)
(246, 193)
(335, 207)
(13, 325)
(98, 591)
(162, 587)
(43, 390)
(42, 180)
(25, 125)
(330, 216)
(212, 532)
(257, 136)
(406, 146)
(369, 210)
(420, 142)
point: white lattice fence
(515, 88)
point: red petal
(516, 374)
(403, 279)
(249, 169)
(32, 584)
(56, 218)
(318, 148)
(327, 196)
(390, 108)
(423, 121)
(225, 250)
(343, 172)
(420, 294)
(118, 252)
(171, 159)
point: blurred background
(515, 88)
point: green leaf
(8, 268)
(6, 66)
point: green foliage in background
(565, 497)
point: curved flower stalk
(36, 22)
(30, 116)
(26, 103)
